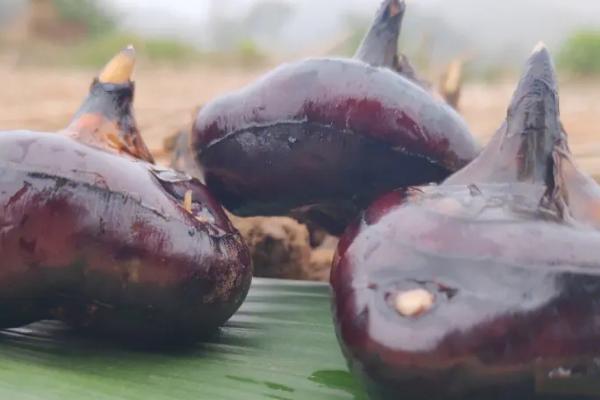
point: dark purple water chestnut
(487, 286)
(321, 138)
(94, 234)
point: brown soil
(45, 99)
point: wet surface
(323, 134)
(350, 97)
(64, 233)
(506, 251)
(97, 236)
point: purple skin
(94, 235)
(379, 49)
(508, 250)
(323, 138)
(320, 139)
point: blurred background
(192, 51)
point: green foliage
(249, 53)
(87, 12)
(580, 54)
(170, 50)
(96, 51)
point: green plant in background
(87, 32)
(249, 53)
(95, 51)
(580, 54)
(163, 49)
(86, 12)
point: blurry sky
(496, 29)
(312, 20)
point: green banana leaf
(281, 345)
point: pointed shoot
(105, 120)
(119, 70)
(521, 151)
(380, 46)
(575, 195)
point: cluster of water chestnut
(460, 273)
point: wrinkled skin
(93, 234)
(320, 139)
(508, 250)
(324, 137)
